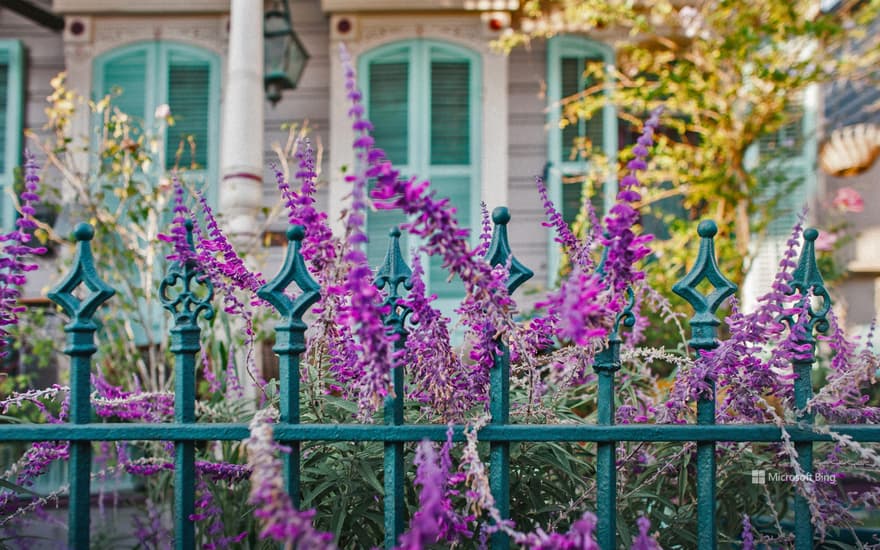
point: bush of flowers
(350, 356)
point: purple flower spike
(12, 263)
(644, 541)
(281, 521)
(364, 313)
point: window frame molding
(559, 47)
(158, 55)
(12, 51)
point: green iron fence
(186, 302)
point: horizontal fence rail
(181, 295)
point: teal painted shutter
(388, 108)
(4, 115)
(450, 144)
(127, 75)
(572, 83)
(784, 165)
(189, 81)
(783, 162)
(450, 113)
(422, 99)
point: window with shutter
(568, 140)
(784, 162)
(423, 98)
(143, 76)
(11, 119)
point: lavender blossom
(281, 521)
(624, 247)
(365, 312)
(317, 247)
(438, 377)
(13, 264)
(748, 537)
(644, 541)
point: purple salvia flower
(12, 263)
(644, 541)
(280, 520)
(424, 527)
(438, 377)
(485, 230)
(365, 312)
(748, 537)
(579, 537)
(318, 246)
(624, 247)
(570, 244)
(216, 244)
(178, 237)
(214, 385)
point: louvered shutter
(450, 143)
(422, 99)
(574, 82)
(572, 163)
(127, 75)
(189, 81)
(388, 108)
(785, 162)
(4, 115)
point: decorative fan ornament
(850, 150)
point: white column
(241, 153)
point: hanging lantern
(284, 55)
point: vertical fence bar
(607, 362)
(80, 347)
(499, 376)
(606, 467)
(704, 326)
(290, 341)
(392, 274)
(185, 304)
(806, 281)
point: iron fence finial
(499, 251)
(704, 321)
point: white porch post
(241, 150)
(241, 153)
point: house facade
(479, 124)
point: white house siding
(527, 155)
(44, 58)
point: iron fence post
(806, 281)
(290, 341)
(499, 253)
(80, 347)
(185, 305)
(704, 325)
(393, 273)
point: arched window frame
(158, 54)
(558, 163)
(419, 128)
